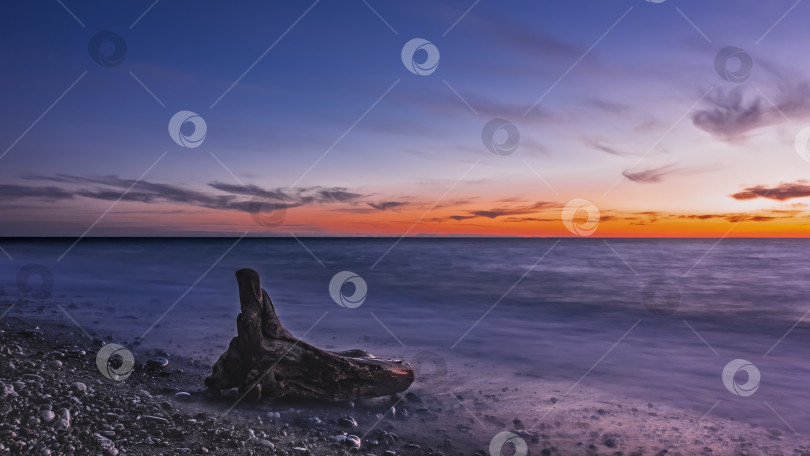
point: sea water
(572, 312)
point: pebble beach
(56, 402)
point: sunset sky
(316, 127)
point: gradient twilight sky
(308, 106)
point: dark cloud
(149, 192)
(385, 205)
(780, 192)
(303, 195)
(699, 216)
(142, 191)
(457, 202)
(644, 218)
(730, 115)
(499, 212)
(655, 175)
(651, 175)
(114, 188)
(736, 218)
(753, 218)
(529, 219)
(492, 213)
(337, 194)
(110, 195)
(249, 190)
(652, 216)
(12, 192)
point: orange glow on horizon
(315, 221)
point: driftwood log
(266, 361)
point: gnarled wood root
(266, 361)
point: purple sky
(309, 104)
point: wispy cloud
(111, 188)
(600, 145)
(658, 174)
(609, 106)
(652, 175)
(385, 205)
(746, 217)
(13, 192)
(236, 197)
(731, 115)
(162, 198)
(494, 213)
(530, 219)
(249, 190)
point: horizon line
(423, 236)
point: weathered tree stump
(266, 361)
